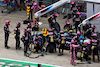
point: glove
(92, 47)
(14, 35)
(81, 54)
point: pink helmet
(68, 22)
(72, 41)
(85, 43)
(28, 29)
(92, 25)
(62, 31)
(78, 13)
(29, 24)
(53, 28)
(56, 14)
(39, 36)
(78, 32)
(90, 28)
(73, 2)
(25, 30)
(50, 29)
(35, 3)
(94, 34)
(7, 22)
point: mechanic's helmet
(90, 29)
(56, 14)
(78, 13)
(78, 32)
(94, 34)
(85, 43)
(50, 29)
(35, 4)
(53, 29)
(29, 25)
(28, 30)
(39, 36)
(62, 31)
(7, 22)
(73, 2)
(72, 41)
(92, 25)
(18, 24)
(67, 22)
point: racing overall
(6, 30)
(62, 43)
(35, 8)
(77, 20)
(76, 40)
(25, 40)
(85, 50)
(30, 37)
(73, 46)
(95, 49)
(17, 37)
(93, 28)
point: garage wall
(91, 11)
(1, 0)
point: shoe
(20, 10)
(29, 49)
(25, 54)
(19, 48)
(93, 60)
(74, 64)
(16, 48)
(55, 51)
(7, 47)
(24, 9)
(46, 53)
(59, 54)
(89, 62)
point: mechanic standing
(17, 35)
(6, 30)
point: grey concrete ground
(19, 16)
